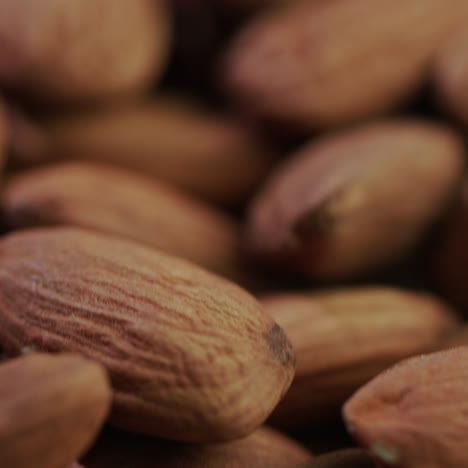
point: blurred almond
(343, 338)
(356, 200)
(51, 408)
(349, 458)
(175, 140)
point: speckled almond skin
(264, 448)
(128, 205)
(352, 201)
(171, 138)
(344, 337)
(191, 356)
(81, 52)
(415, 414)
(51, 409)
(317, 64)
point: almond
(81, 52)
(51, 408)
(343, 338)
(353, 201)
(415, 414)
(263, 448)
(349, 458)
(317, 64)
(170, 138)
(129, 205)
(191, 356)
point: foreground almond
(170, 138)
(415, 414)
(317, 64)
(191, 356)
(352, 201)
(263, 448)
(119, 202)
(343, 338)
(348, 458)
(51, 408)
(80, 52)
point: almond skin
(263, 448)
(316, 64)
(348, 458)
(324, 328)
(128, 205)
(80, 52)
(352, 202)
(191, 356)
(450, 256)
(51, 408)
(170, 138)
(415, 414)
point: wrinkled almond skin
(170, 138)
(125, 204)
(450, 74)
(191, 356)
(263, 448)
(415, 414)
(348, 458)
(451, 253)
(324, 330)
(80, 52)
(51, 408)
(317, 64)
(352, 202)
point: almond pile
(233, 234)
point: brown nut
(51, 408)
(191, 356)
(356, 200)
(348, 458)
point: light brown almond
(264, 448)
(415, 414)
(343, 338)
(170, 138)
(51, 408)
(356, 200)
(191, 356)
(320, 64)
(81, 52)
(129, 205)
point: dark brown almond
(415, 414)
(317, 64)
(170, 138)
(129, 205)
(349, 458)
(356, 200)
(51, 408)
(80, 52)
(343, 338)
(191, 356)
(263, 448)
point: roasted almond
(79, 51)
(415, 414)
(348, 458)
(51, 408)
(129, 205)
(343, 338)
(316, 64)
(170, 138)
(264, 448)
(356, 200)
(191, 356)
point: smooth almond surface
(355, 200)
(191, 356)
(51, 408)
(415, 414)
